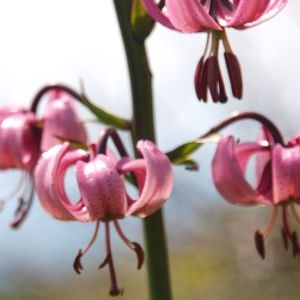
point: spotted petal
(251, 13)
(286, 173)
(101, 188)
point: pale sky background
(68, 41)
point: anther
(77, 266)
(132, 245)
(260, 243)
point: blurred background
(212, 252)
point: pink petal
(101, 188)
(251, 13)
(6, 111)
(47, 184)
(154, 178)
(190, 16)
(19, 141)
(228, 174)
(156, 13)
(265, 138)
(286, 173)
(61, 122)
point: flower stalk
(143, 128)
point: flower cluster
(213, 17)
(45, 145)
(25, 134)
(277, 174)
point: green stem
(143, 128)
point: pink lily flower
(278, 173)
(103, 197)
(60, 121)
(23, 135)
(213, 17)
(19, 149)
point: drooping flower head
(277, 172)
(100, 178)
(60, 121)
(24, 134)
(213, 16)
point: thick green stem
(143, 128)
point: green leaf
(141, 22)
(181, 154)
(188, 162)
(105, 117)
(183, 150)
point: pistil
(114, 290)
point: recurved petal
(157, 14)
(44, 177)
(61, 121)
(266, 139)
(251, 13)
(286, 173)
(190, 16)
(101, 188)
(228, 173)
(49, 183)
(154, 178)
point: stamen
(233, 67)
(235, 74)
(260, 237)
(200, 77)
(132, 245)
(290, 233)
(77, 263)
(200, 80)
(260, 243)
(215, 80)
(114, 290)
(270, 223)
(295, 213)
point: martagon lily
(277, 172)
(100, 178)
(24, 135)
(213, 17)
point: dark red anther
(235, 74)
(199, 81)
(77, 266)
(215, 81)
(260, 243)
(139, 253)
